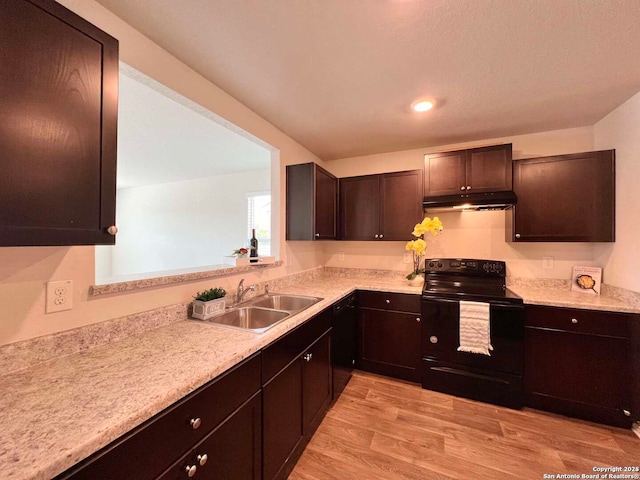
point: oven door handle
(491, 303)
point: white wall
(469, 234)
(621, 130)
(185, 224)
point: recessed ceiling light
(422, 106)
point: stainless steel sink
(290, 303)
(261, 313)
(250, 318)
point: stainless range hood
(469, 202)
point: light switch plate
(59, 296)
(341, 256)
(407, 258)
(547, 262)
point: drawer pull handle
(627, 413)
(517, 235)
(375, 236)
(433, 339)
(381, 235)
(418, 319)
(195, 423)
(202, 459)
(574, 320)
(191, 470)
(387, 301)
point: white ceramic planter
(205, 310)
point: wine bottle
(254, 244)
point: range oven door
(496, 378)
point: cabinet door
(326, 205)
(389, 343)
(233, 450)
(489, 169)
(566, 198)
(316, 381)
(58, 120)
(580, 375)
(401, 204)
(360, 208)
(444, 173)
(282, 418)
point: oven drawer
(441, 336)
(477, 384)
(399, 302)
(592, 322)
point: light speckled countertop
(58, 412)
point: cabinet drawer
(280, 353)
(148, 450)
(575, 320)
(400, 302)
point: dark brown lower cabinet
(233, 450)
(225, 411)
(296, 398)
(579, 363)
(389, 340)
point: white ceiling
(161, 140)
(338, 76)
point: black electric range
(494, 378)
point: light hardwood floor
(381, 428)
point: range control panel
(465, 266)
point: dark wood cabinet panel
(317, 381)
(389, 343)
(58, 125)
(564, 198)
(477, 170)
(312, 203)
(401, 202)
(380, 207)
(489, 169)
(572, 371)
(445, 173)
(360, 207)
(233, 450)
(282, 418)
(399, 302)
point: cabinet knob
(317, 235)
(627, 413)
(468, 187)
(112, 230)
(418, 319)
(387, 301)
(462, 188)
(308, 357)
(433, 339)
(195, 423)
(517, 235)
(574, 320)
(381, 236)
(202, 459)
(191, 470)
(375, 236)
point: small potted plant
(418, 246)
(240, 252)
(209, 303)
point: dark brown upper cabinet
(58, 127)
(564, 198)
(312, 203)
(478, 170)
(380, 207)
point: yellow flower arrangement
(419, 246)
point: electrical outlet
(341, 256)
(407, 258)
(59, 296)
(547, 262)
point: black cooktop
(467, 279)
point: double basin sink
(263, 312)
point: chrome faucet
(241, 292)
